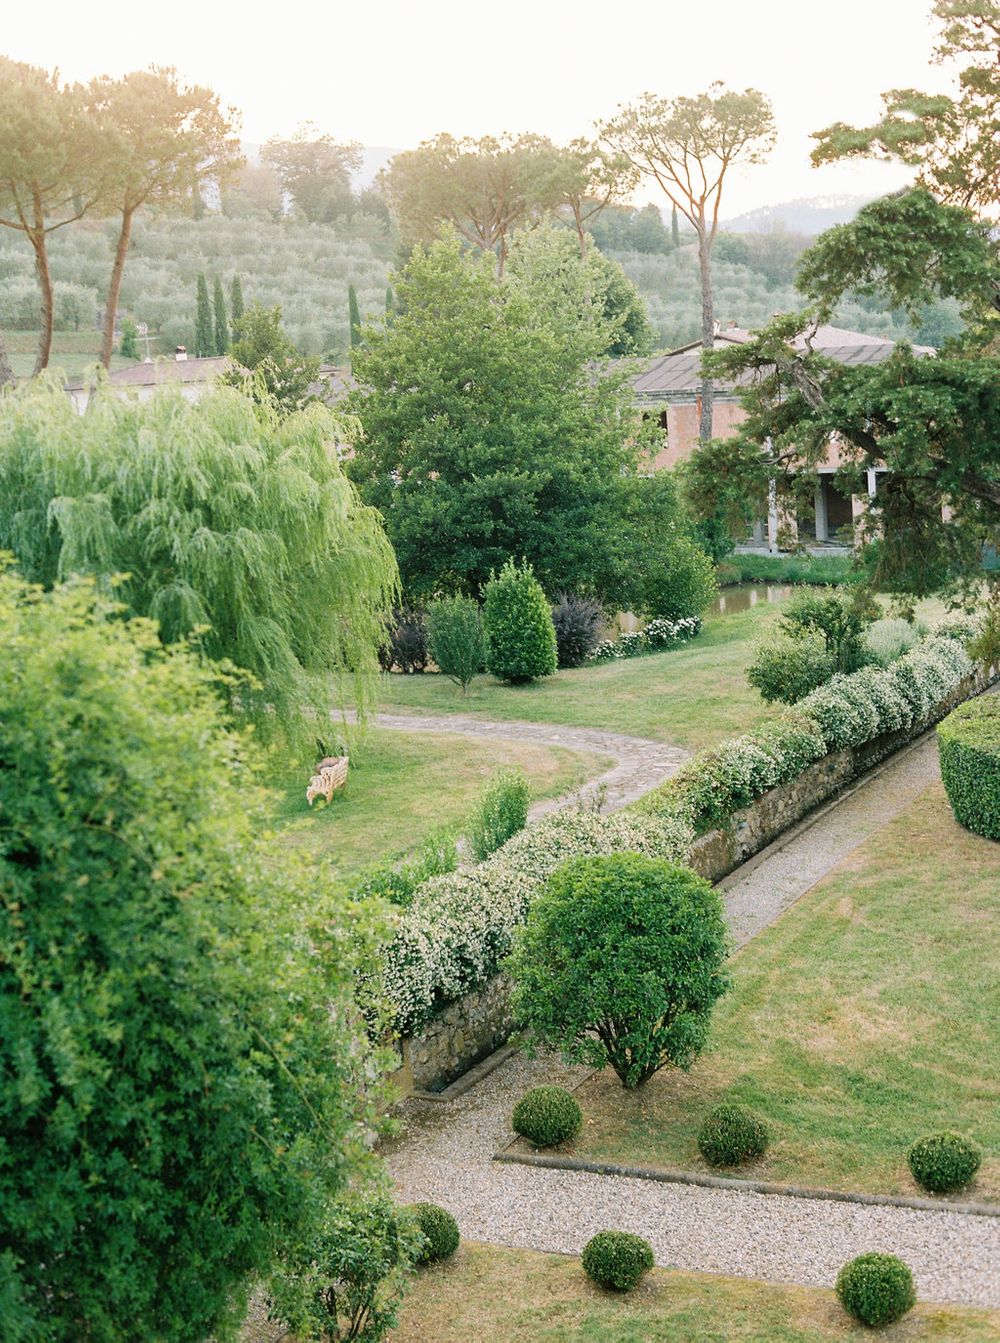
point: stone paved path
(446, 1152)
(639, 764)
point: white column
(871, 482)
(822, 530)
(772, 516)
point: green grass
(402, 786)
(73, 352)
(693, 696)
(861, 1020)
(790, 568)
(521, 1296)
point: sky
(397, 71)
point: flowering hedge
(659, 634)
(459, 927)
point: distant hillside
(810, 215)
(373, 160)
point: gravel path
(446, 1152)
(639, 764)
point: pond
(729, 602)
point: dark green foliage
(622, 228)
(268, 366)
(221, 322)
(396, 879)
(501, 812)
(839, 618)
(807, 569)
(181, 1078)
(390, 303)
(943, 1162)
(129, 347)
(440, 1232)
(787, 669)
(222, 518)
(546, 1116)
(517, 623)
(731, 1135)
(204, 335)
(969, 745)
(406, 641)
(457, 643)
(679, 580)
(621, 962)
(578, 622)
(617, 1259)
(876, 1289)
(353, 315)
(236, 299)
(347, 1280)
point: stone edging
(470, 1078)
(662, 1176)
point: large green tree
(267, 365)
(182, 1072)
(491, 427)
(688, 147)
(164, 141)
(227, 519)
(315, 170)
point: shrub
(943, 1162)
(578, 623)
(396, 879)
(455, 635)
(546, 1116)
(440, 1233)
(617, 1259)
(730, 1135)
(621, 961)
(152, 943)
(501, 812)
(520, 636)
(788, 669)
(876, 1289)
(679, 581)
(887, 640)
(825, 569)
(969, 745)
(838, 618)
(406, 641)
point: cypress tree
(390, 303)
(236, 300)
(354, 313)
(204, 336)
(221, 324)
(675, 232)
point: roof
(338, 379)
(678, 375)
(169, 370)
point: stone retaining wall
(467, 1030)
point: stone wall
(467, 1030)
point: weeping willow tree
(231, 526)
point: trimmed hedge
(440, 1232)
(546, 1116)
(617, 1259)
(943, 1162)
(876, 1289)
(730, 1135)
(460, 927)
(969, 745)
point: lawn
(73, 352)
(862, 1019)
(693, 696)
(520, 1296)
(405, 785)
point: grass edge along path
(526, 1296)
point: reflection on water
(729, 602)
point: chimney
(180, 353)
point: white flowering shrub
(659, 634)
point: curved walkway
(447, 1150)
(639, 764)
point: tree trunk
(47, 311)
(6, 376)
(707, 332)
(114, 288)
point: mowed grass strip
(405, 785)
(487, 1294)
(864, 1018)
(694, 696)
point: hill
(809, 215)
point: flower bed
(658, 635)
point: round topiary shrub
(517, 622)
(547, 1115)
(730, 1135)
(876, 1289)
(617, 1259)
(440, 1232)
(943, 1162)
(969, 744)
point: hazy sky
(395, 72)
